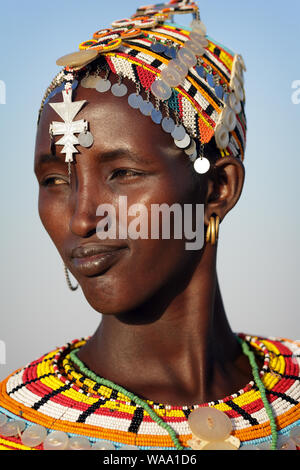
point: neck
(175, 349)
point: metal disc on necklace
(168, 124)
(201, 165)
(146, 107)
(135, 100)
(103, 85)
(119, 90)
(183, 143)
(85, 139)
(156, 116)
(179, 132)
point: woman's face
(131, 157)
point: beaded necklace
(108, 383)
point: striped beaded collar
(51, 392)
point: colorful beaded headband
(193, 85)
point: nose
(85, 200)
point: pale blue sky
(258, 255)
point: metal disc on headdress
(146, 107)
(103, 85)
(178, 132)
(85, 139)
(201, 165)
(135, 100)
(119, 89)
(77, 59)
(183, 143)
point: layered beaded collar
(51, 392)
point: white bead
(187, 56)
(201, 165)
(3, 419)
(221, 136)
(34, 435)
(56, 440)
(79, 443)
(13, 428)
(103, 445)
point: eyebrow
(123, 153)
(112, 155)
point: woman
(149, 114)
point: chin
(111, 296)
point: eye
(53, 181)
(125, 173)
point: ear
(224, 187)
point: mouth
(95, 261)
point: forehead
(113, 123)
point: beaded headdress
(185, 81)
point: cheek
(53, 214)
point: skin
(164, 334)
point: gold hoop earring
(72, 288)
(212, 233)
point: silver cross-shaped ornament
(67, 110)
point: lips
(95, 259)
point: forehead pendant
(67, 110)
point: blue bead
(210, 80)
(200, 71)
(219, 91)
(158, 47)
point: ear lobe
(224, 187)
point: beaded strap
(261, 387)
(108, 383)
